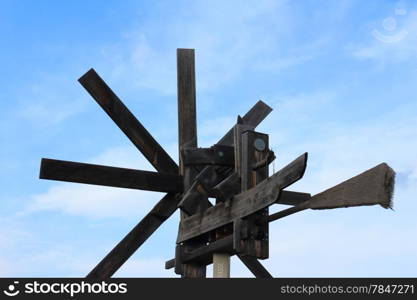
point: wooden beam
(216, 155)
(255, 266)
(127, 122)
(135, 238)
(292, 198)
(187, 138)
(244, 204)
(372, 187)
(109, 176)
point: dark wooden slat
(109, 176)
(169, 264)
(255, 149)
(292, 198)
(187, 138)
(135, 238)
(127, 122)
(255, 266)
(204, 254)
(244, 204)
(216, 155)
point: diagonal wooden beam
(127, 122)
(255, 266)
(109, 176)
(162, 211)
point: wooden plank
(187, 138)
(109, 176)
(127, 122)
(253, 117)
(255, 149)
(255, 266)
(169, 264)
(229, 187)
(135, 238)
(372, 187)
(292, 198)
(244, 204)
(217, 155)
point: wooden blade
(255, 266)
(374, 186)
(163, 210)
(135, 238)
(245, 203)
(127, 122)
(109, 176)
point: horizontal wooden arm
(109, 176)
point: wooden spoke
(127, 122)
(109, 176)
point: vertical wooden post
(221, 265)
(187, 137)
(251, 232)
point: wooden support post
(187, 138)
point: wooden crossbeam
(262, 195)
(109, 176)
(127, 122)
(216, 155)
(162, 211)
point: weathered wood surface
(244, 204)
(210, 176)
(374, 186)
(135, 238)
(255, 266)
(109, 176)
(254, 239)
(127, 122)
(292, 198)
(162, 211)
(229, 187)
(204, 254)
(187, 138)
(217, 155)
(253, 117)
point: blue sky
(340, 76)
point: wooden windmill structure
(234, 171)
